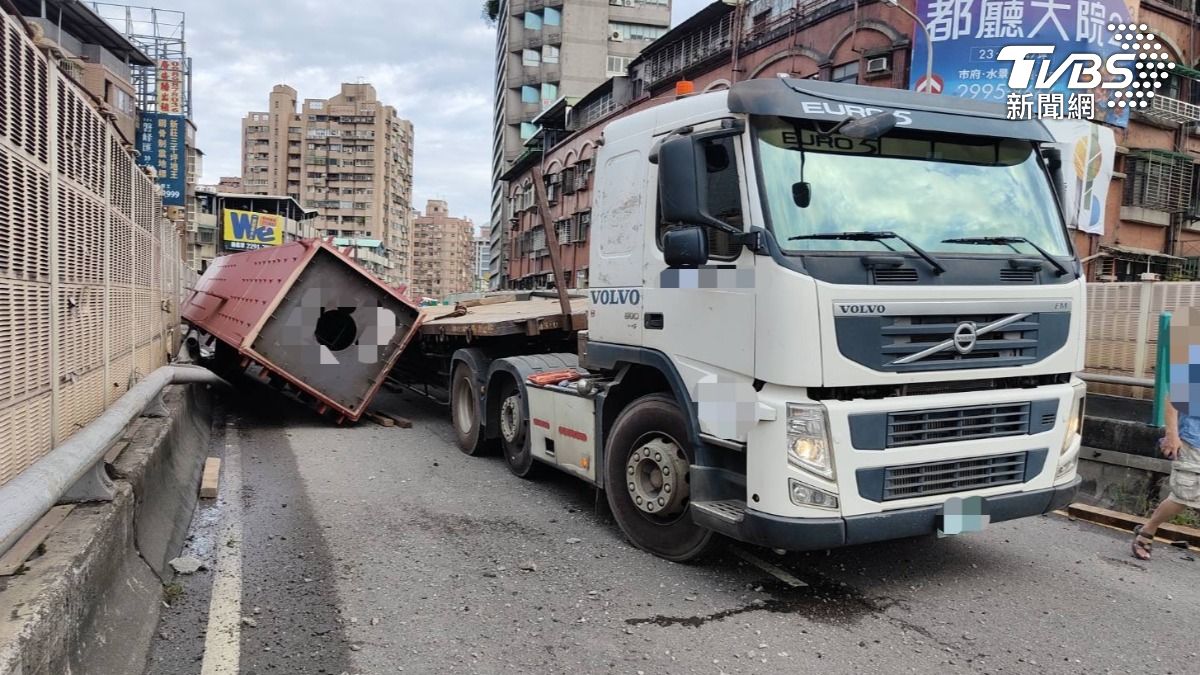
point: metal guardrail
(1123, 380)
(38, 488)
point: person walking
(1181, 442)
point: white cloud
(433, 61)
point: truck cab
(820, 315)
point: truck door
(704, 318)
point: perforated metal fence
(1122, 337)
(90, 273)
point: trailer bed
(514, 317)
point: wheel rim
(510, 418)
(464, 406)
(656, 478)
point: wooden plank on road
(210, 482)
(15, 558)
(1127, 521)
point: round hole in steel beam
(336, 329)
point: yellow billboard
(246, 230)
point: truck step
(731, 510)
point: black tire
(465, 411)
(673, 536)
(518, 451)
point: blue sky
(434, 67)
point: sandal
(1142, 544)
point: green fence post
(1162, 369)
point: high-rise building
(349, 157)
(444, 253)
(481, 262)
(549, 49)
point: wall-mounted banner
(246, 230)
(170, 87)
(1048, 40)
(1088, 152)
(160, 142)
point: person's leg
(1168, 509)
(1143, 535)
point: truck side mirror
(685, 247)
(1053, 159)
(684, 163)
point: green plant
(172, 593)
(491, 11)
(1188, 518)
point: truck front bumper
(813, 534)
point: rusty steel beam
(564, 300)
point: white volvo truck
(819, 315)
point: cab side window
(724, 199)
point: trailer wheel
(514, 430)
(647, 464)
(464, 412)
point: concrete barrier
(90, 602)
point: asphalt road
(383, 550)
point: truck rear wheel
(514, 430)
(465, 411)
(647, 463)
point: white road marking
(223, 641)
(774, 570)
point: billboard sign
(1046, 45)
(1088, 152)
(246, 230)
(170, 87)
(160, 142)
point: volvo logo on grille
(965, 337)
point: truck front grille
(956, 424)
(906, 336)
(919, 480)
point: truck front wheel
(514, 430)
(647, 462)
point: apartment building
(349, 157)
(96, 56)
(552, 49)
(480, 243)
(1151, 228)
(444, 253)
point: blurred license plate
(962, 516)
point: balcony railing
(1171, 110)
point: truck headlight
(808, 439)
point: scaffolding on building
(160, 33)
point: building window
(549, 94)
(634, 31)
(527, 131)
(531, 57)
(553, 17)
(847, 72)
(550, 54)
(533, 21)
(618, 66)
(529, 94)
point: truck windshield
(927, 188)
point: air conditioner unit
(630, 3)
(616, 37)
(1150, 276)
(878, 64)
